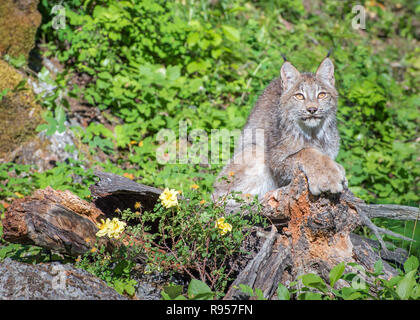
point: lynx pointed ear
(289, 75)
(326, 71)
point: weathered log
(56, 220)
(114, 192)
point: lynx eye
(322, 95)
(299, 96)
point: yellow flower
(195, 186)
(220, 222)
(223, 226)
(103, 227)
(137, 205)
(231, 173)
(169, 198)
(116, 228)
(227, 227)
(202, 201)
(93, 250)
(141, 144)
(112, 228)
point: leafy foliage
(359, 284)
(187, 238)
(164, 62)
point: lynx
(297, 115)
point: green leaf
(412, 263)
(104, 75)
(283, 292)
(310, 296)
(199, 290)
(3, 93)
(20, 86)
(60, 117)
(165, 296)
(378, 267)
(416, 292)
(231, 33)
(130, 289)
(52, 126)
(193, 38)
(172, 290)
(354, 296)
(119, 286)
(246, 289)
(406, 285)
(336, 273)
(314, 281)
(259, 293)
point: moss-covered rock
(19, 113)
(19, 20)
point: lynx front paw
(326, 176)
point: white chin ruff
(312, 122)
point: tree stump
(313, 236)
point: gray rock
(51, 281)
(146, 291)
(149, 286)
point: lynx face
(308, 99)
(311, 103)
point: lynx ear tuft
(326, 71)
(289, 75)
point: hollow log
(114, 192)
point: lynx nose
(312, 108)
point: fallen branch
(390, 211)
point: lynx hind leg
(247, 173)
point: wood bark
(56, 220)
